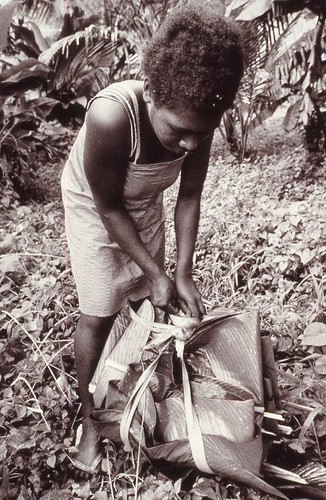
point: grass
(260, 245)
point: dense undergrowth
(261, 245)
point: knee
(94, 325)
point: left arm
(187, 214)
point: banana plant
(287, 39)
(252, 106)
(80, 64)
(41, 82)
(69, 70)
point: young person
(138, 137)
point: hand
(163, 293)
(189, 298)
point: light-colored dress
(106, 277)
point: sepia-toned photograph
(162, 249)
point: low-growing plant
(23, 128)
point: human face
(181, 130)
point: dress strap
(129, 101)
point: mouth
(175, 150)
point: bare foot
(86, 459)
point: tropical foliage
(286, 39)
(23, 127)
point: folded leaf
(127, 349)
(233, 348)
(167, 455)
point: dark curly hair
(194, 58)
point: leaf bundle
(222, 413)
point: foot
(87, 457)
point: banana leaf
(123, 347)
(232, 343)
(223, 404)
(238, 461)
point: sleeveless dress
(106, 277)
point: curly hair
(194, 58)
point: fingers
(172, 309)
(170, 296)
(201, 307)
(193, 308)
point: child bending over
(138, 137)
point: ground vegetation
(261, 245)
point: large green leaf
(23, 69)
(215, 335)
(127, 350)
(292, 115)
(41, 41)
(222, 410)
(26, 75)
(6, 13)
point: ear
(147, 92)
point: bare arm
(187, 214)
(106, 153)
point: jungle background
(261, 242)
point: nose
(189, 143)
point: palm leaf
(314, 473)
(87, 38)
(297, 35)
(77, 58)
(81, 61)
(41, 12)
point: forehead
(191, 119)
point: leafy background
(261, 245)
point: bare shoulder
(106, 115)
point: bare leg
(90, 337)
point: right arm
(106, 156)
